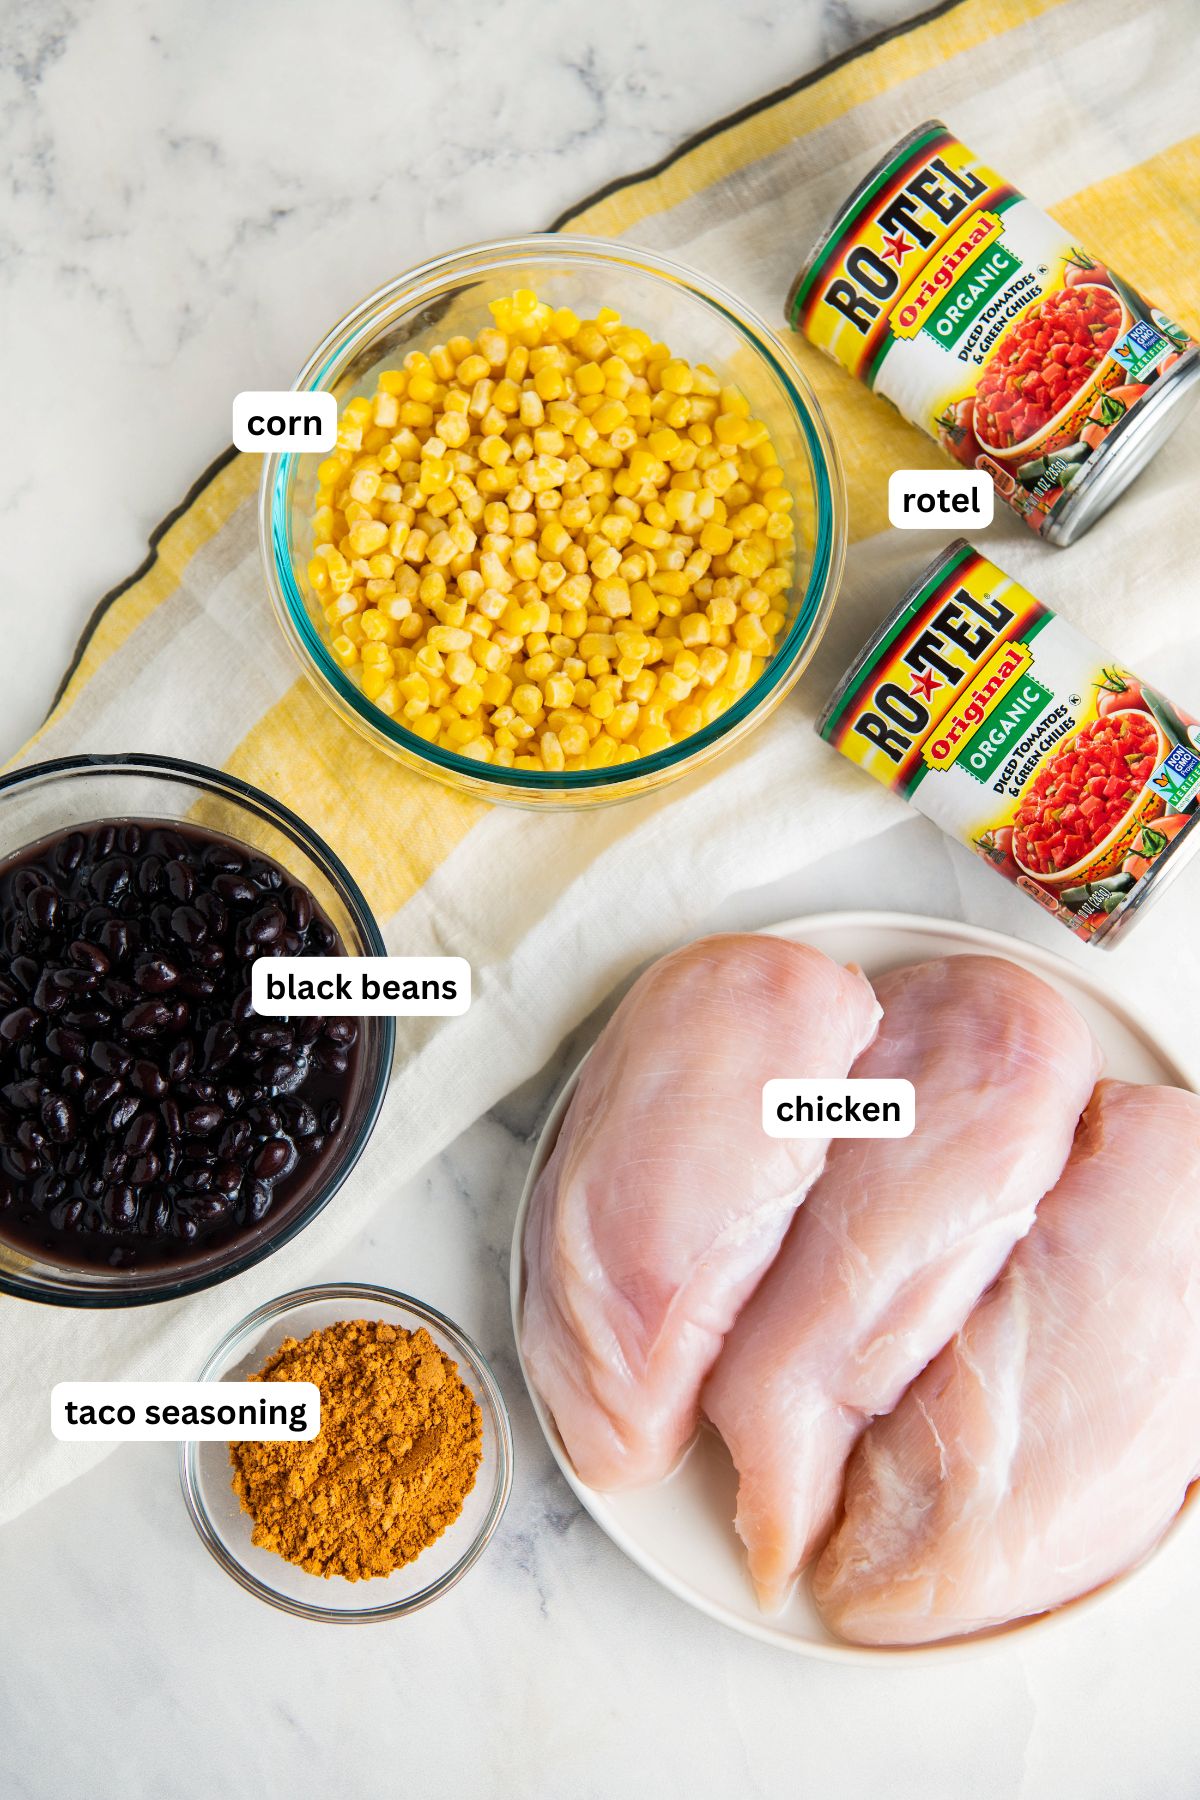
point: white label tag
(151, 1412)
(266, 421)
(923, 499)
(357, 987)
(816, 1108)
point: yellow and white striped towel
(1088, 105)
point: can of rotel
(979, 317)
(1026, 741)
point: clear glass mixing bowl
(700, 321)
(50, 797)
(226, 1531)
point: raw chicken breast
(1050, 1445)
(664, 1200)
(897, 1241)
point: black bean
(148, 1079)
(172, 1118)
(215, 914)
(120, 1206)
(58, 1116)
(69, 852)
(123, 1109)
(154, 973)
(235, 1138)
(227, 1177)
(75, 981)
(188, 925)
(115, 1163)
(24, 1095)
(145, 1169)
(18, 1024)
(200, 1120)
(259, 1196)
(197, 985)
(41, 908)
(210, 1209)
(235, 890)
(30, 1137)
(264, 926)
(299, 907)
(99, 1092)
(114, 936)
(148, 1019)
(141, 1134)
(111, 878)
(118, 994)
(110, 1058)
(74, 1077)
(86, 955)
(284, 1074)
(180, 882)
(303, 1120)
(271, 1037)
(180, 1060)
(67, 1043)
(222, 856)
(276, 1156)
(150, 876)
(48, 997)
(25, 973)
(341, 1031)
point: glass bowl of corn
(582, 528)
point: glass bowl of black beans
(156, 1134)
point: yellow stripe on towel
(390, 826)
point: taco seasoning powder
(400, 1444)
(1026, 741)
(947, 291)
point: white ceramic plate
(681, 1530)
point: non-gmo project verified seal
(1178, 776)
(1140, 348)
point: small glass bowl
(49, 797)
(225, 1530)
(700, 321)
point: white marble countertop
(198, 191)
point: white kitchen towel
(1089, 106)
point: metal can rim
(1154, 883)
(849, 207)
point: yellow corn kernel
(676, 377)
(367, 536)
(652, 739)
